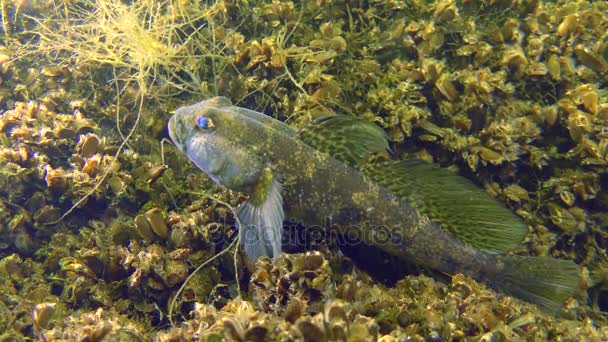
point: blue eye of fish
(204, 122)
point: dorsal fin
(452, 202)
(346, 138)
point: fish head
(220, 142)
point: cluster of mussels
(307, 297)
(119, 247)
(513, 93)
(47, 159)
(119, 251)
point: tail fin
(544, 281)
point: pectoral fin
(349, 139)
(262, 218)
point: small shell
(567, 197)
(278, 59)
(310, 330)
(336, 43)
(322, 57)
(120, 232)
(255, 61)
(156, 173)
(590, 147)
(446, 87)
(590, 100)
(554, 67)
(21, 133)
(157, 222)
(23, 242)
(568, 106)
(567, 66)
(462, 122)
(65, 132)
(42, 314)
(233, 329)
(335, 311)
(116, 184)
(511, 30)
(537, 69)
(432, 69)
(257, 333)
(135, 278)
(19, 221)
(83, 126)
(142, 226)
(308, 262)
(490, 155)
(579, 214)
(578, 123)
(516, 193)
(88, 145)
(7, 124)
(445, 11)
(176, 271)
(562, 217)
(514, 59)
(294, 309)
(47, 213)
(568, 25)
(91, 165)
(56, 179)
(55, 71)
(24, 155)
(413, 27)
(591, 60)
(78, 267)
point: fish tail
(544, 281)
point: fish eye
(204, 122)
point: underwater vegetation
(99, 227)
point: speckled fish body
(248, 151)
